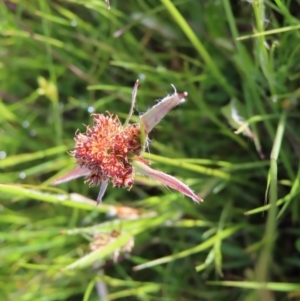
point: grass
(238, 60)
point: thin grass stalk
(249, 82)
(270, 233)
(186, 28)
(57, 122)
(249, 86)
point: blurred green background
(239, 61)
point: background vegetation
(239, 61)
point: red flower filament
(106, 149)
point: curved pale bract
(102, 190)
(154, 115)
(71, 175)
(166, 179)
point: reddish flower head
(106, 148)
(110, 151)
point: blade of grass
(262, 267)
(22, 158)
(273, 286)
(61, 199)
(185, 27)
(201, 247)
